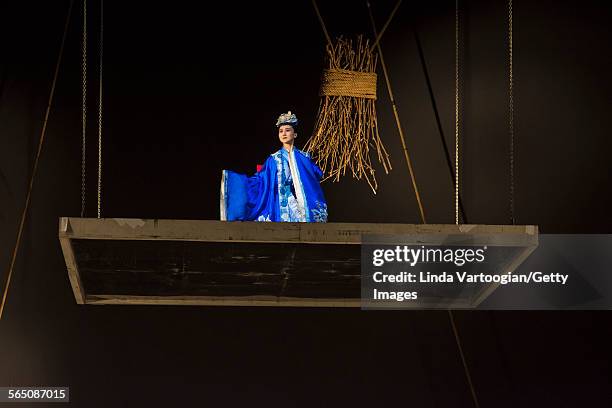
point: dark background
(192, 88)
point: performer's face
(286, 134)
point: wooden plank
(220, 231)
(71, 263)
(258, 301)
(219, 301)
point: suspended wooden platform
(199, 262)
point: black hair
(293, 125)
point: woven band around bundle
(342, 82)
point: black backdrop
(190, 89)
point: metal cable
(100, 111)
(456, 111)
(450, 312)
(84, 109)
(511, 111)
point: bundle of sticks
(346, 129)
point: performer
(287, 188)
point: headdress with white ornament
(287, 119)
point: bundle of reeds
(346, 128)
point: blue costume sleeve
(233, 196)
(262, 193)
(316, 169)
(311, 174)
(247, 198)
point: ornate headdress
(287, 119)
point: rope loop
(343, 82)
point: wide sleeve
(245, 198)
(261, 192)
(310, 175)
(315, 169)
(233, 196)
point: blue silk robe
(286, 189)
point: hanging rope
(342, 82)
(463, 361)
(100, 111)
(396, 114)
(511, 113)
(327, 37)
(35, 166)
(379, 36)
(84, 109)
(457, 112)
